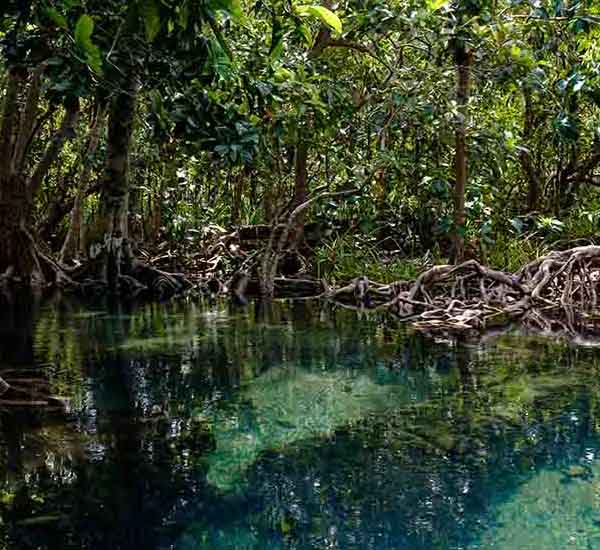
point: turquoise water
(299, 426)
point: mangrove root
(556, 292)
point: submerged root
(141, 279)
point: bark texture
(18, 258)
(72, 245)
(529, 167)
(109, 248)
(21, 261)
(300, 187)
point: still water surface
(198, 426)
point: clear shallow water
(300, 427)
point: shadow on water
(291, 426)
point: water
(197, 426)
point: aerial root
(38, 269)
(553, 293)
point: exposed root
(37, 269)
(566, 278)
(473, 297)
(160, 283)
(277, 244)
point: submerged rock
(578, 471)
(287, 405)
(547, 514)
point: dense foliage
(468, 129)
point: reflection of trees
(428, 473)
(143, 383)
(148, 384)
(123, 477)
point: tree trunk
(381, 175)
(300, 187)
(109, 248)
(72, 245)
(54, 148)
(531, 171)
(60, 204)
(18, 258)
(463, 59)
(569, 185)
(15, 260)
(10, 116)
(237, 184)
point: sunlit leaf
(83, 30)
(435, 5)
(151, 15)
(325, 15)
(83, 39)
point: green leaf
(235, 9)
(183, 14)
(304, 31)
(325, 15)
(232, 7)
(283, 75)
(219, 36)
(435, 5)
(567, 127)
(151, 15)
(83, 39)
(83, 31)
(57, 18)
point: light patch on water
(232, 538)
(287, 405)
(554, 510)
(157, 343)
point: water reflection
(295, 426)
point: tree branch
(10, 115)
(27, 123)
(341, 43)
(66, 131)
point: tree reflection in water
(290, 426)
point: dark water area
(298, 426)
